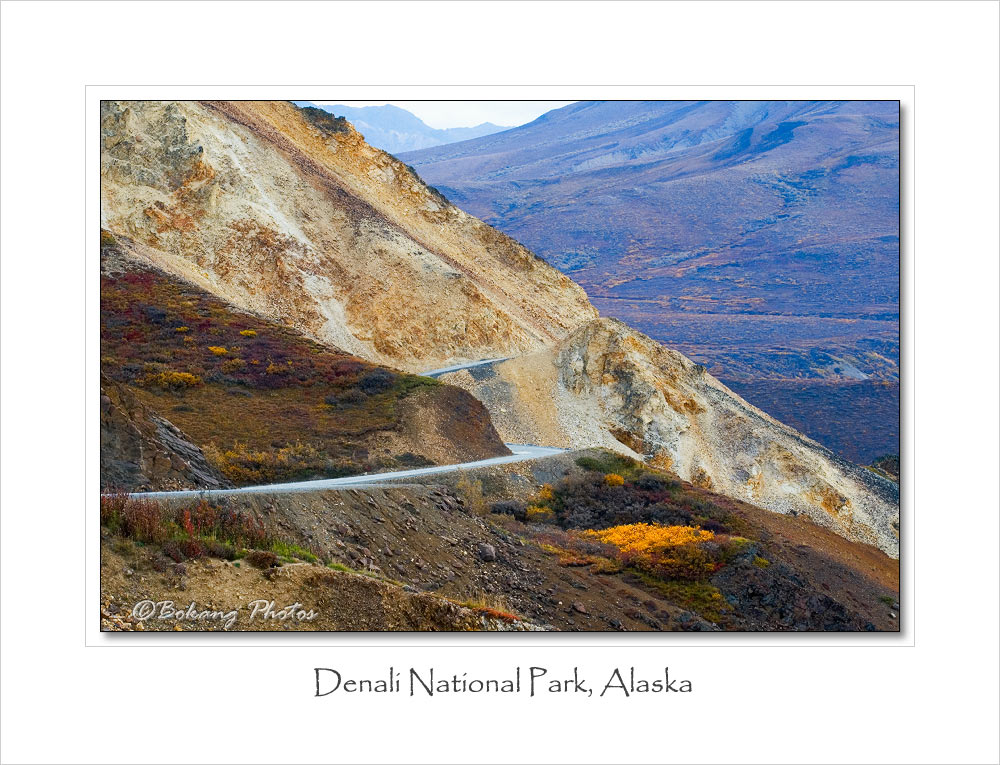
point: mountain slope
(769, 572)
(396, 130)
(760, 238)
(289, 213)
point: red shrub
(192, 548)
(112, 505)
(204, 518)
(243, 528)
(142, 519)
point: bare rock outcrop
(141, 450)
(296, 218)
(609, 385)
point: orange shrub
(545, 493)
(670, 552)
(651, 538)
(613, 479)
(218, 350)
(143, 520)
(112, 505)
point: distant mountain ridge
(396, 130)
(758, 237)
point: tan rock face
(311, 226)
(612, 386)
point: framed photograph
(612, 366)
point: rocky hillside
(340, 600)
(143, 451)
(509, 547)
(609, 385)
(289, 213)
(759, 238)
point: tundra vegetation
(194, 531)
(263, 402)
(619, 516)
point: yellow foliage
(170, 379)
(613, 479)
(538, 514)
(233, 365)
(648, 538)
(218, 350)
(545, 493)
(568, 557)
(246, 465)
(248, 333)
(182, 329)
(667, 551)
(278, 369)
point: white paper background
(930, 695)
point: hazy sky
(446, 114)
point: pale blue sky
(447, 114)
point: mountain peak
(395, 130)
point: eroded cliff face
(292, 215)
(609, 385)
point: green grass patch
(610, 462)
(702, 598)
(289, 552)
